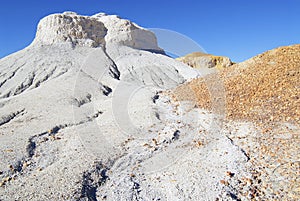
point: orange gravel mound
(263, 89)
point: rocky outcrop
(124, 32)
(74, 30)
(70, 28)
(202, 60)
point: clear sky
(235, 28)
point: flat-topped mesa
(93, 31)
(70, 28)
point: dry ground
(264, 90)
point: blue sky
(235, 28)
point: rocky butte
(93, 110)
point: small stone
(154, 141)
(199, 143)
(11, 167)
(224, 182)
(247, 181)
(25, 164)
(45, 139)
(229, 174)
(6, 179)
(147, 145)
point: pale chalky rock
(72, 29)
(124, 32)
(69, 28)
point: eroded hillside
(265, 91)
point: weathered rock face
(127, 33)
(202, 60)
(70, 28)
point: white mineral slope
(82, 118)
